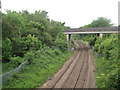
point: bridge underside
(100, 31)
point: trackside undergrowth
(44, 64)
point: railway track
(77, 72)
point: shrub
(56, 51)
(6, 49)
(47, 39)
(61, 43)
(108, 64)
(33, 42)
(19, 46)
(29, 55)
(16, 61)
(24, 44)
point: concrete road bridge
(93, 30)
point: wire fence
(7, 75)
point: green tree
(13, 23)
(100, 22)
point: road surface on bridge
(77, 72)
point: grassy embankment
(44, 64)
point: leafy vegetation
(107, 66)
(44, 64)
(33, 37)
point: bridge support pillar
(69, 41)
(100, 35)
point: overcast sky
(75, 13)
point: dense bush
(19, 46)
(16, 61)
(108, 64)
(33, 42)
(30, 31)
(61, 43)
(107, 46)
(6, 49)
(47, 39)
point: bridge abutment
(69, 41)
(100, 35)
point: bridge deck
(91, 30)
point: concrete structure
(101, 35)
(93, 30)
(69, 41)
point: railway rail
(77, 72)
